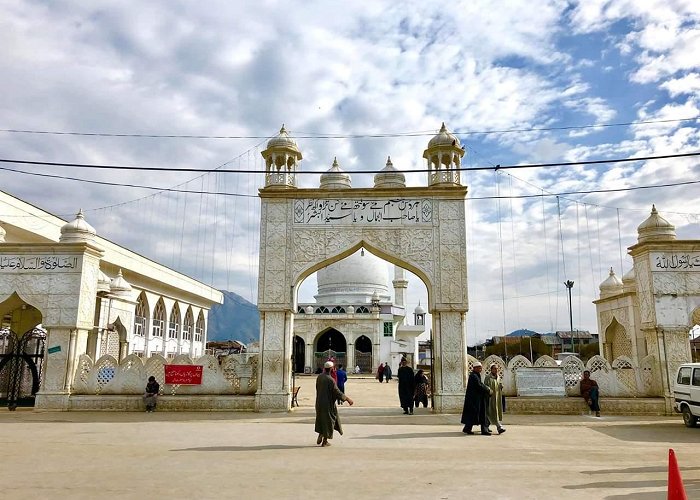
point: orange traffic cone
(676, 491)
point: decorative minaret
(400, 284)
(282, 157)
(444, 155)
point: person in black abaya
(407, 386)
(475, 402)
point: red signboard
(183, 374)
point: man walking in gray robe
(327, 393)
(494, 410)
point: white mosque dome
(444, 138)
(655, 228)
(353, 280)
(419, 309)
(335, 178)
(611, 286)
(77, 231)
(389, 177)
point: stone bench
(577, 406)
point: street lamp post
(569, 284)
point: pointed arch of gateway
(421, 229)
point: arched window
(338, 310)
(362, 310)
(322, 310)
(175, 322)
(188, 325)
(199, 328)
(159, 319)
(141, 315)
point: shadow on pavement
(637, 470)
(247, 448)
(652, 433)
(411, 435)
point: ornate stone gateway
(21, 361)
(421, 229)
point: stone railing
(236, 374)
(621, 379)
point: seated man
(589, 392)
(150, 397)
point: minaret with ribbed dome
(389, 177)
(655, 228)
(444, 156)
(282, 158)
(335, 178)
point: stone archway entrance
(330, 344)
(22, 345)
(421, 229)
(363, 355)
(299, 354)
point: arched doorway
(299, 354)
(330, 344)
(21, 354)
(363, 354)
(618, 340)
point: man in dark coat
(327, 393)
(475, 402)
(407, 386)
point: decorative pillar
(274, 371)
(449, 355)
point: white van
(686, 391)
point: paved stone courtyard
(383, 454)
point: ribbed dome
(655, 228)
(444, 138)
(119, 285)
(419, 309)
(282, 140)
(335, 178)
(103, 282)
(611, 286)
(78, 231)
(353, 280)
(389, 177)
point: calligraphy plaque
(396, 212)
(44, 263)
(540, 382)
(183, 374)
(675, 261)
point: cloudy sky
(566, 81)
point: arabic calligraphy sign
(397, 212)
(675, 261)
(60, 263)
(183, 374)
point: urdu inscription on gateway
(540, 382)
(399, 212)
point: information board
(540, 382)
(183, 374)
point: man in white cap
(327, 393)
(475, 402)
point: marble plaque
(540, 382)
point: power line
(241, 195)
(315, 172)
(321, 135)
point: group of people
(384, 373)
(483, 405)
(413, 388)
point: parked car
(686, 392)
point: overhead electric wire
(315, 172)
(321, 135)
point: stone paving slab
(381, 455)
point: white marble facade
(92, 297)
(421, 229)
(649, 313)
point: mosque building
(65, 291)
(354, 319)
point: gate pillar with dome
(421, 229)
